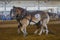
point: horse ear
(14, 7)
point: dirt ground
(10, 33)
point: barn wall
(30, 5)
(35, 4)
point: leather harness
(22, 16)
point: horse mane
(20, 8)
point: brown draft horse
(25, 18)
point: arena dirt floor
(8, 31)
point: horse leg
(18, 28)
(46, 29)
(44, 24)
(41, 30)
(23, 29)
(36, 31)
(38, 27)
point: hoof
(18, 32)
(25, 34)
(43, 31)
(47, 32)
(35, 33)
(40, 34)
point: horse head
(17, 11)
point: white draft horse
(25, 18)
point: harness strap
(30, 20)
